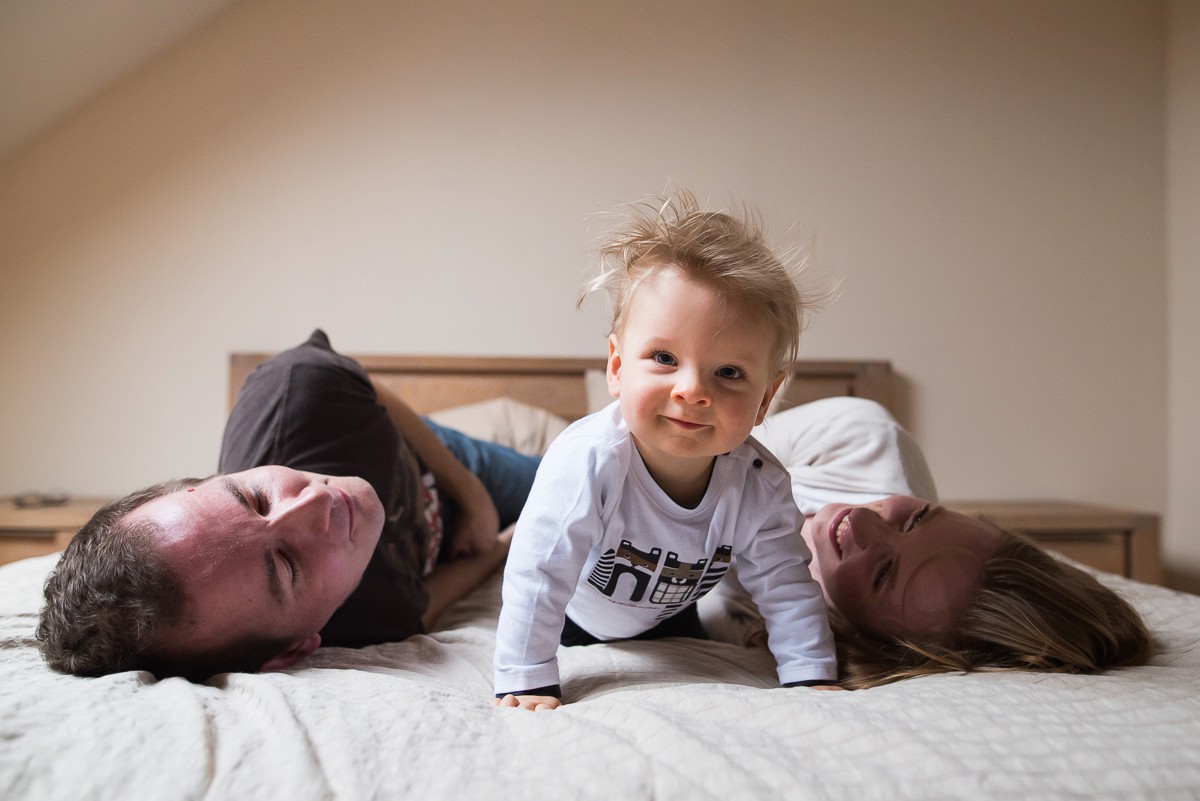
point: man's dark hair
(112, 591)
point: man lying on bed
(256, 567)
(168, 585)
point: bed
(667, 719)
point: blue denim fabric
(507, 474)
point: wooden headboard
(561, 385)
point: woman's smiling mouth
(839, 527)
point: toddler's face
(694, 373)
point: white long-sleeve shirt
(600, 541)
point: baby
(638, 510)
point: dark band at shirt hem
(812, 683)
(549, 689)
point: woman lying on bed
(254, 568)
(914, 588)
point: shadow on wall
(902, 399)
(1182, 580)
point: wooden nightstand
(1114, 540)
(41, 530)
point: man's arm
(478, 522)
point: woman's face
(900, 566)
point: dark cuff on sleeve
(812, 683)
(549, 689)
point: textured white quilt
(667, 719)
(671, 719)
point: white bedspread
(671, 719)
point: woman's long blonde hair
(1033, 612)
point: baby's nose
(690, 387)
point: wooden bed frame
(1117, 541)
(561, 385)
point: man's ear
(770, 396)
(614, 366)
(293, 654)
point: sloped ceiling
(56, 54)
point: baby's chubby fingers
(534, 703)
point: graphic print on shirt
(678, 583)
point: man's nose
(309, 510)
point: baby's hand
(534, 703)
(826, 687)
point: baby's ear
(613, 373)
(769, 396)
(293, 654)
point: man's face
(270, 552)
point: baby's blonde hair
(723, 251)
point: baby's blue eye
(731, 373)
(663, 358)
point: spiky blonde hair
(724, 251)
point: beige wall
(1181, 531)
(985, 178)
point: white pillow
(524, 428)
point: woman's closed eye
(881, 573)
(916, 518)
